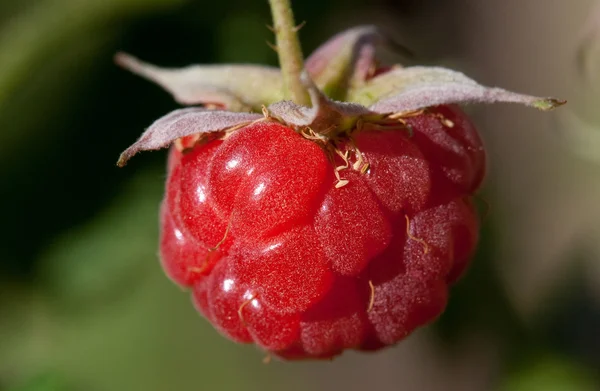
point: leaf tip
(123, 158)
(123, 59)
(130, 63)
(548, 104)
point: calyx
(337, 78)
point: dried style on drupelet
(311, 230)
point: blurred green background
(83, 302)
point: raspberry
(277, 253)
(320, 225)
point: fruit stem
(289, 51)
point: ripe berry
(319, 226)
(308, 248)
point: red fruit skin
(277, 255)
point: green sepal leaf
(185, 122)
(233, 87)
(415, 88)
(346, 57)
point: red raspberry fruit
(315, 228)
(307, 251)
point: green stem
(289, 51)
